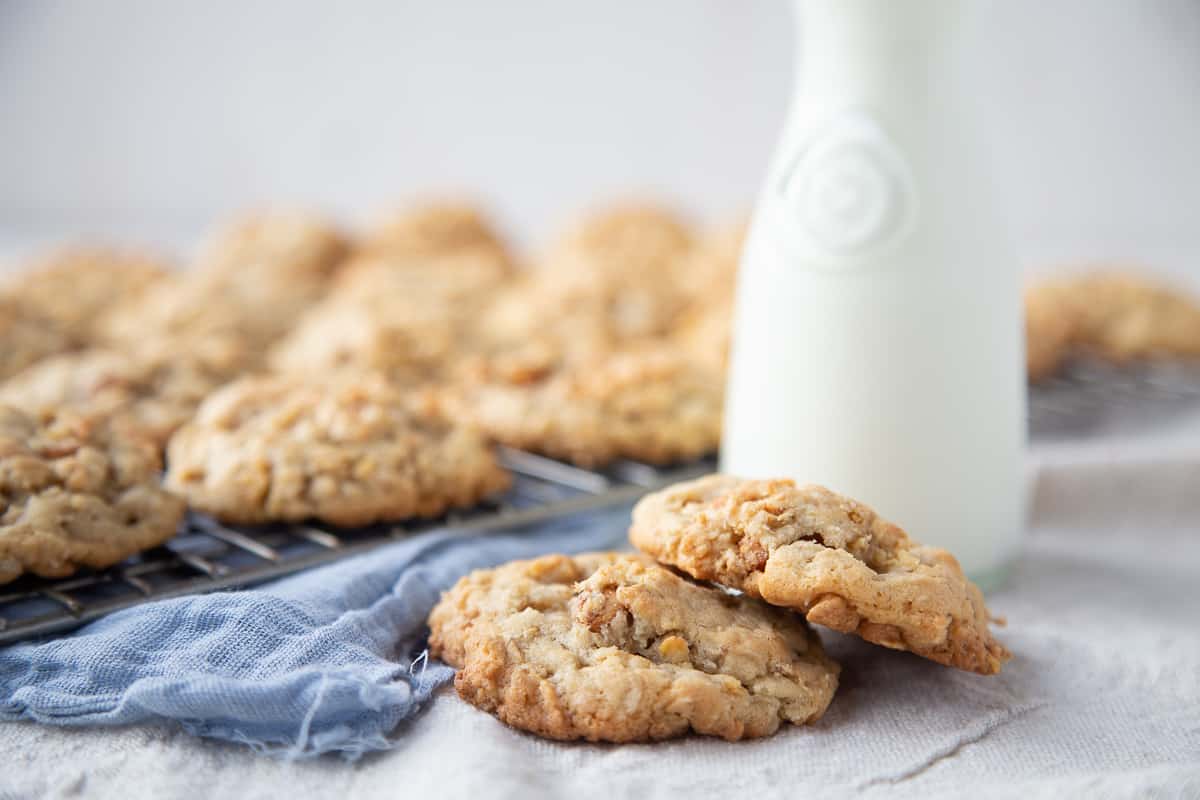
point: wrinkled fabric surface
(329, 660)
(1101, 699)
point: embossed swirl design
(850, 189)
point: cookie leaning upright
(350, 450)
(76, 492)
(827, 556)
(612, 647)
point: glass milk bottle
(877, 344)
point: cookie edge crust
(968, 645)
(525, 701)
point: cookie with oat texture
(77, 491)
(827, 556)
(27, 337)
(650, 403)
(154, 387)
(1125, 317)
(75, 286)
(350, 449)
(613, 647)
(434, 229)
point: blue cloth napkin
(330, 660)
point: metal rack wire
(207, 556)
(1091, 396)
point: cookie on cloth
(825, 555)
(651, 403)
(613, 647)
(77, 492)
(349, 449)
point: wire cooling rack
(1090, 397)
(207, 556)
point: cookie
(76, 492)
(625, 263)
(274, 245)
(711, 267)
(1050, 329)
(633, 240)
(27, 337)
(826, 556)
(706, 332)
(191, 308)
(408, 321)
(528, 310)
(1125, 318)
(154, 387)
(651, 404)
(409, 344)
(615, 648)
(453, 279)
(252, 282)
(347, 450)
(74, 287)
(434, 229)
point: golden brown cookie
(526, 311)
(704, 328)
(27, 337)
(251, 282)
(625, 264)
(154, 387)
(1124, 318)
(1050, 329)
(612, 647)
(711, 267)
(410, 345)
(349, 450)
(433, 229)
(626, 240)
(829, 557)
(274, 245)
(706, 332)
(460, 279)
(650, 404)
(409, 321)
(76, 492)
(75, 286)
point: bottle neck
(872, 52)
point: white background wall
(149, 119)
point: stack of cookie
(294, 371)
(708, 628)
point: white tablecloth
(1102, 697)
